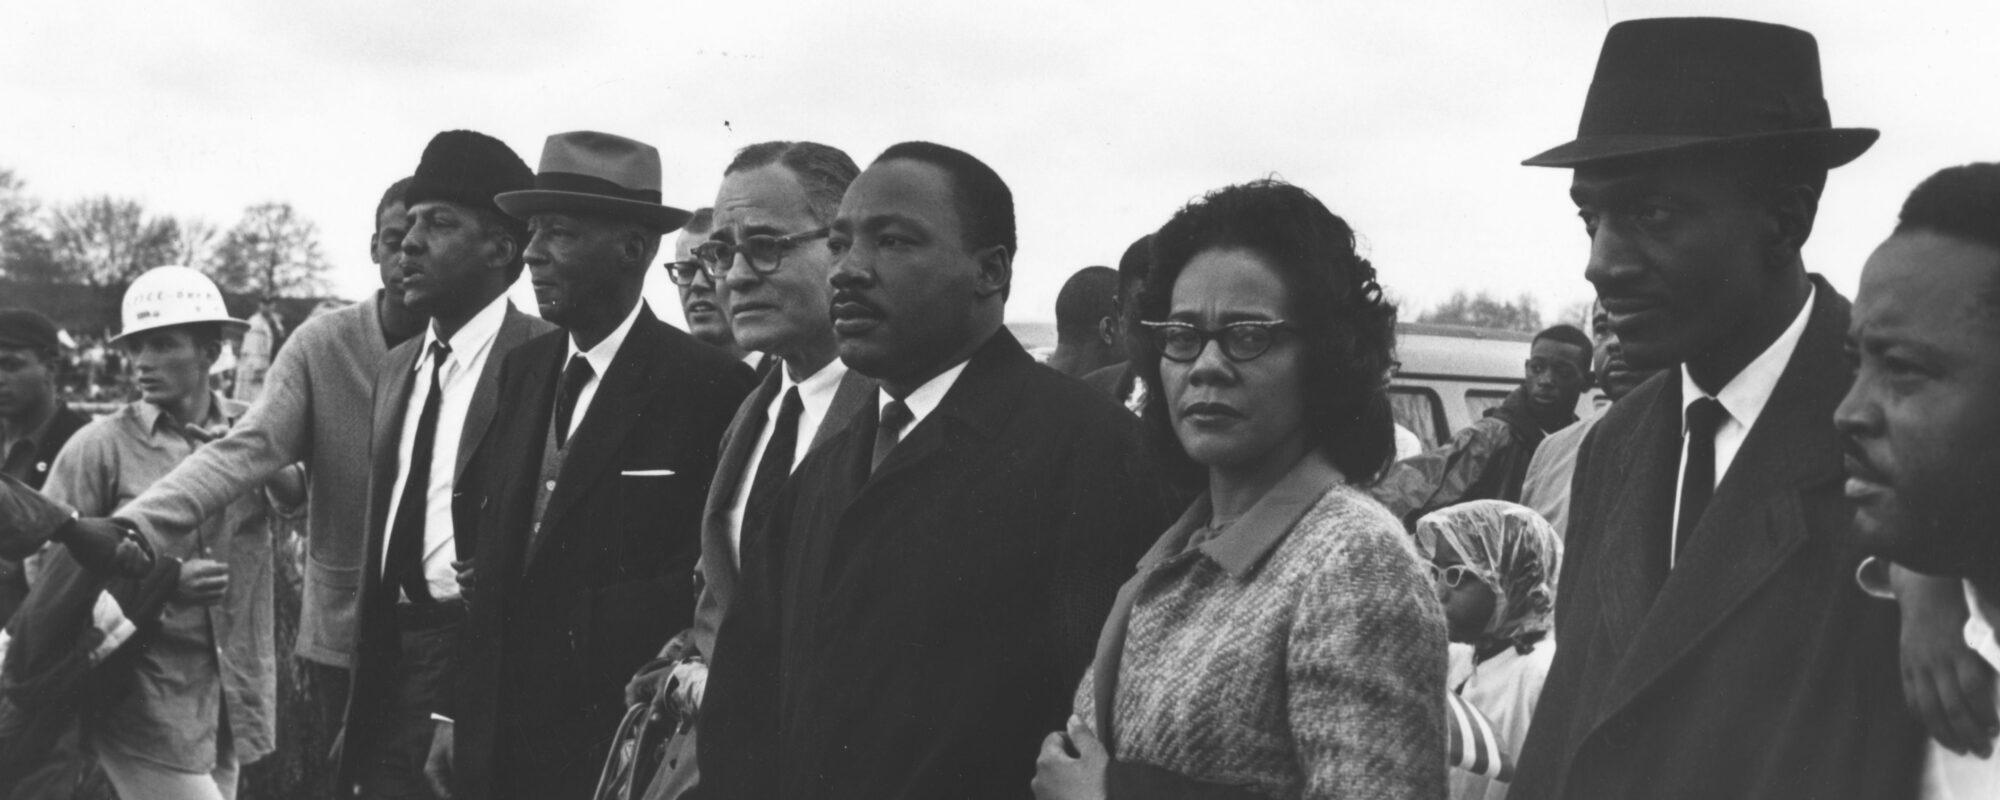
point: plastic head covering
(1513, 551)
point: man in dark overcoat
(1711, 641)
(587, 492)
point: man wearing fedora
(587, 497)
(1712, 642)
(434, 398)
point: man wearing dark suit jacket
(767, 247)
(587, 496)
(434, 399)
(1711, 641)
(944, 568)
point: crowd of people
(846, 538)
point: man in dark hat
(1923, 428)
(34, 421)
(1712, 641)
(435, 398)
(588, 498)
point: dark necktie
(772, 470)
(405, 566)
(574, 377)
(895, 416)
(1704, 417)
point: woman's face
(1233, 414)
(1468, 606)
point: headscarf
(1514, 552)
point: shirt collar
(1746, 394)
(818, 388)
(926, 398)
(1252, 537)
(600, 356)
(475, 335)
(219, 415)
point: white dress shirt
(1948, 775)
(815, 398)
(470, 347)
(1743, 400)
(600, 358)
(924, 400)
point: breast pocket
(658, 515)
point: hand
(1061, 776)
(647, 683)
(437, 766)
(466, 581)
(691, 680)
(1945, 684)
(203, 582)
(102, 545)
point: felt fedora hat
(587, 172)
(1669, 85)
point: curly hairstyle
(1347, 325)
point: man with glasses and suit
(1489, 459)
(704, 300)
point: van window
(1419, 410)
(1480, 402)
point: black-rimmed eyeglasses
(1181, 342)
(765, 253)
(683, 272)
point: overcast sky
(1407, 118)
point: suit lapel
(622, 395)
(392, 401)
(737, 442)
(514, 329)
(855, 394)
(1638, 522)
(1756, 520)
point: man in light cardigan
(315, 409)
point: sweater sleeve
(273, 435)
(1365, 669)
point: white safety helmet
(168, 296)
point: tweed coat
(931, 618)
(555, 630)
(376, 647)
(1757, 668)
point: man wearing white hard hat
(202, 687)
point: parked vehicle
(1449, 375)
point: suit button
(551, 486)
(1623, 732)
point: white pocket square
(647, 473)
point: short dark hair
(1087, 297)
(391, 197)
(1570, 335)
(984, 204)
(1962, 202)
(824, 171)
(1138, 258)
(702, 221)
(1347, 324)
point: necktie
(1704, 417)
(772, 470)
(574, 377)
(895, 415)
(405, 567)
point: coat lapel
(392, 400)
(1756, 520)
(515, 328)
(1638, 523)
(979, 402)
(622, 395)
(737, 442)
(856, 393)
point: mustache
(1859, 465)
(850, 297)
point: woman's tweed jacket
(1299, 653)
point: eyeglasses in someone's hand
(1181, 342)
(765, 253)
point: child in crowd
(1496, 565)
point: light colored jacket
(315, 408)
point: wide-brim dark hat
(1670, 85)
(586, 172)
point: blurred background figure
(1088, 331)
(1550, 472)
(34, 421)
(1496, 565)
(1117, 380)
(704, 300)
(260, 346)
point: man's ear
(1107, 330)
(506, 250)
(996, 272)
(1792, 211)
(372, 239)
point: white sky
(1407, 118)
